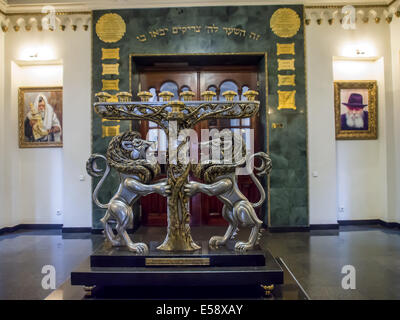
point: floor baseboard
(389, 225)
(34, 226)
(380, 222)
(77, 230)
(31, 226)
(305, 228)
(8, 230)
(359, 222)
(288, 229)
(335, 226)
(89, 230)
(331, 226)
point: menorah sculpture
(126, 155)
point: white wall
(321, 133)
(394, 172)
(77, 55)
(323, 42)
(55, 172)
(362, 164)
(36, 173)
(5, 215)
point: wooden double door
(205, 210)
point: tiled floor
(316, 259)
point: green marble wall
(287, 145)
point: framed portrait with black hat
(356, 115)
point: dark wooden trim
(189, 68)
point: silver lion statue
(221, 181)
(126, 154)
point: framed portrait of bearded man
(356, 111)
(40, 117)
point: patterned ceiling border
(75, 20)
(28, 21)
(330, 14)
(377, 5)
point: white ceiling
(152, 3)
(18, 6)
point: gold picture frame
(40, 117)
(356, 111)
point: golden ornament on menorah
(103, 96)
(187, 95)
(145, 96)
(229, 95)
(251, 95)
(124, 97)
(166, 95)
(208, 95)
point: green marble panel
(280, 207)
(287, 145)
(298, 216)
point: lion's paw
(138, 247)
(216, 241)
(242, 246)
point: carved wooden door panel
(154, 207)
(219, 81)
(204, 209)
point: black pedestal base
(107, 256)
(178, 293)
(221, 269)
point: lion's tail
(263, 169)
(94, 171)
